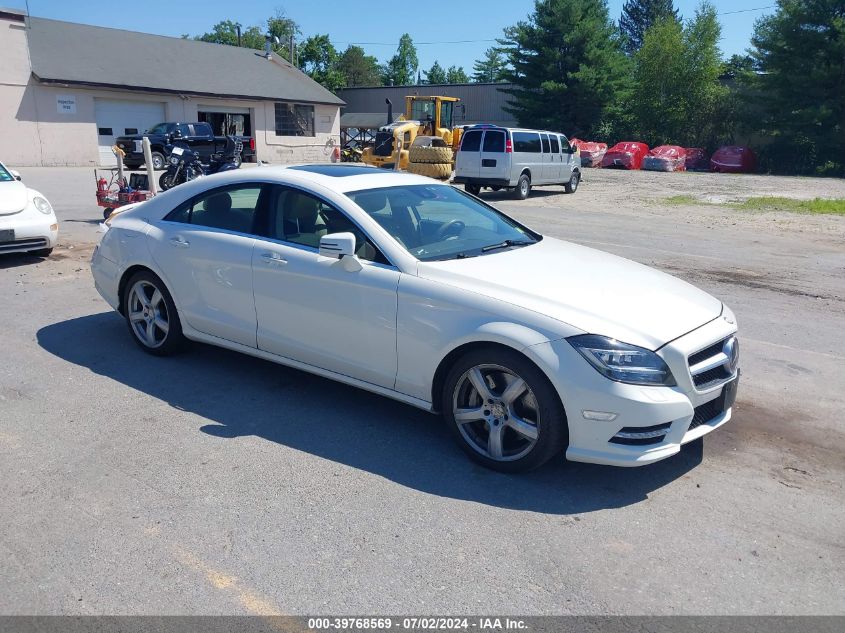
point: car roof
(489, 126)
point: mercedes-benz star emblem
(731, 350)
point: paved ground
(214, 483)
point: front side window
(230, 209)
(437, 222)
(300, 218)
(294, 119)
(446, 108)
(555, 144)
(5, 176)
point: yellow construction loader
(422, 140)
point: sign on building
(66, 104)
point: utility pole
(238, 28)
(292, 60)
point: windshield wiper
(507, 244)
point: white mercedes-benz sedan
(415, 290)
(27, 221)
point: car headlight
(623, 362)
(174, 160)
(42, 205)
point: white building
(68, 90)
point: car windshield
(161, 128)
(5, 176)
(437, 222)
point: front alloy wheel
(151, 315)
(503, 411)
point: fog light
(603, 416)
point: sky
(438, 33)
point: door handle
(274, 259)
(180, 241)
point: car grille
(19, 244)
(707, 366)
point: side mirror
(15, 174)
(340, 246)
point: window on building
(294, 119)
(104, 131)
(130, 130)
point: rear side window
(231, 209)
(471, 141)
(494, 142)
(555, 145)
(526, 142)
(545, 138)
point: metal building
(484, 103)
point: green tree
(568, 66)
(738, 66)
(490, 68)
(638, 16)
(456, 75)
(358, 68)
(436, 74)
(226, 32)
(401, 69)
(799, 94)
(677, 97)
(318, 58)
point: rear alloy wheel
(572, 185)
(503, 411)
(523, 187)
(473, 189)
(151, 315)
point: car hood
(13, 197)
(591, 290)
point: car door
(468, 161)
(494, 163)
(312, 308)
(563, 164)
(203, 249)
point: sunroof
(337, 171)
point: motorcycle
(184, 165)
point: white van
(513, 158)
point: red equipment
(696, 159)
(736, 159)
(591, 152)
(666, 158)
(625, 155)
(116, 192)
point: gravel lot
(212, 483)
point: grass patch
(683, 200)
(834, 206)
(772, 203)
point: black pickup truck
(197, 135)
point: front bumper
(672, 415)
(33, 231)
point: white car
(27, 220)
(415, 290)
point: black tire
(42, 252)
(165, 181)
(159, 161)
(551, 425)
(523, 187)
(173, 340)
(473, 189)
(572, 185)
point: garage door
(117, 118)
